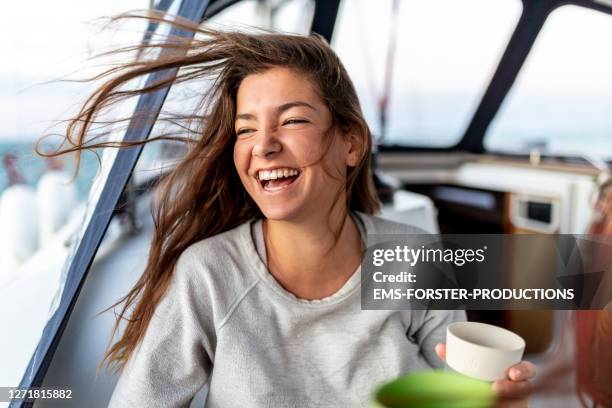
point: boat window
(42, 216)
(561, 102)
(443, 61)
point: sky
(45, 41)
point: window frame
(533, 17)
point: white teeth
(277, 173)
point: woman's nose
(266, 143)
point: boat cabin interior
(489, 117)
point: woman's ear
(355, 146)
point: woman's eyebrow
(289, 105)
(245, 116)
(280, 109)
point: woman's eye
(294, 121)
(243, 131)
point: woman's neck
(305, 257)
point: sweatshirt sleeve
(429, 329)
(173, 361)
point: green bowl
(434, 389)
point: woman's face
(281, 129)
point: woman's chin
(278, 215)
(284, 213)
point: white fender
(18, 225)
(56, 198)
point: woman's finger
(521, 371)
(511, 389)
(441, 351)
(513, 403)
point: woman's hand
(512, 392)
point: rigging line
(391, 49)
(366, 52)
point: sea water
(32, 166)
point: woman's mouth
(277, 179)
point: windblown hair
(202, 195)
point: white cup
(482, 351)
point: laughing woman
(252, 284)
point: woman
(252, 282)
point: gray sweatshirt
(227, 322)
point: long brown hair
(203, 195)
